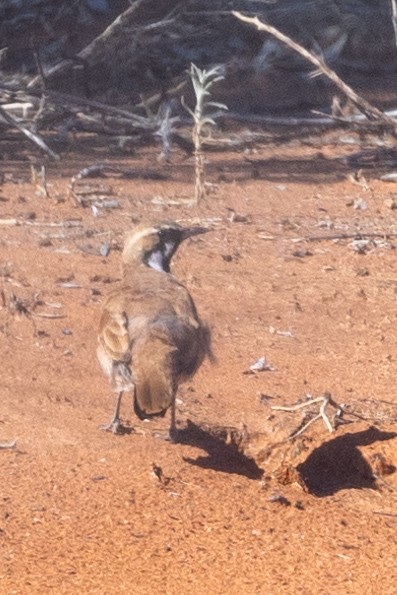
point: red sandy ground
(82, 511)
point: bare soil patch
(84, 511)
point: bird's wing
(114, 336)
(113, 351)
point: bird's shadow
(221, 456)
(338, 464)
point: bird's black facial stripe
(159, 259)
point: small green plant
(202, 81)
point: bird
(151, 337)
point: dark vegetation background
(135, 54)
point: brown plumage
(151, 337)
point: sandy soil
(85, 511)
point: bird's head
(155, 245)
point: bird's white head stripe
(139, 235)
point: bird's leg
(172, 434)
(114, 425)
(325, 400)
(173, 429)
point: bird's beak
(188, 232)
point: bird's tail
(154, 382)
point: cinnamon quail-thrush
(151, 338)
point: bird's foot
(170, 436)
(116, 427)
(113, 426)
(173, 435)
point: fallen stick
(76, 235)
(344, 236)
(382, 513)
(325, 120)
(18, 222)
(10, 222)
(47, 315)
(336, 236)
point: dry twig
(202, 81)
(39, 180)
(325, 400)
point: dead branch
(32, 136)
(371, 112)
(92, 47)
(394, 19)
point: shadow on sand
(338, 464)
(221, 456)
